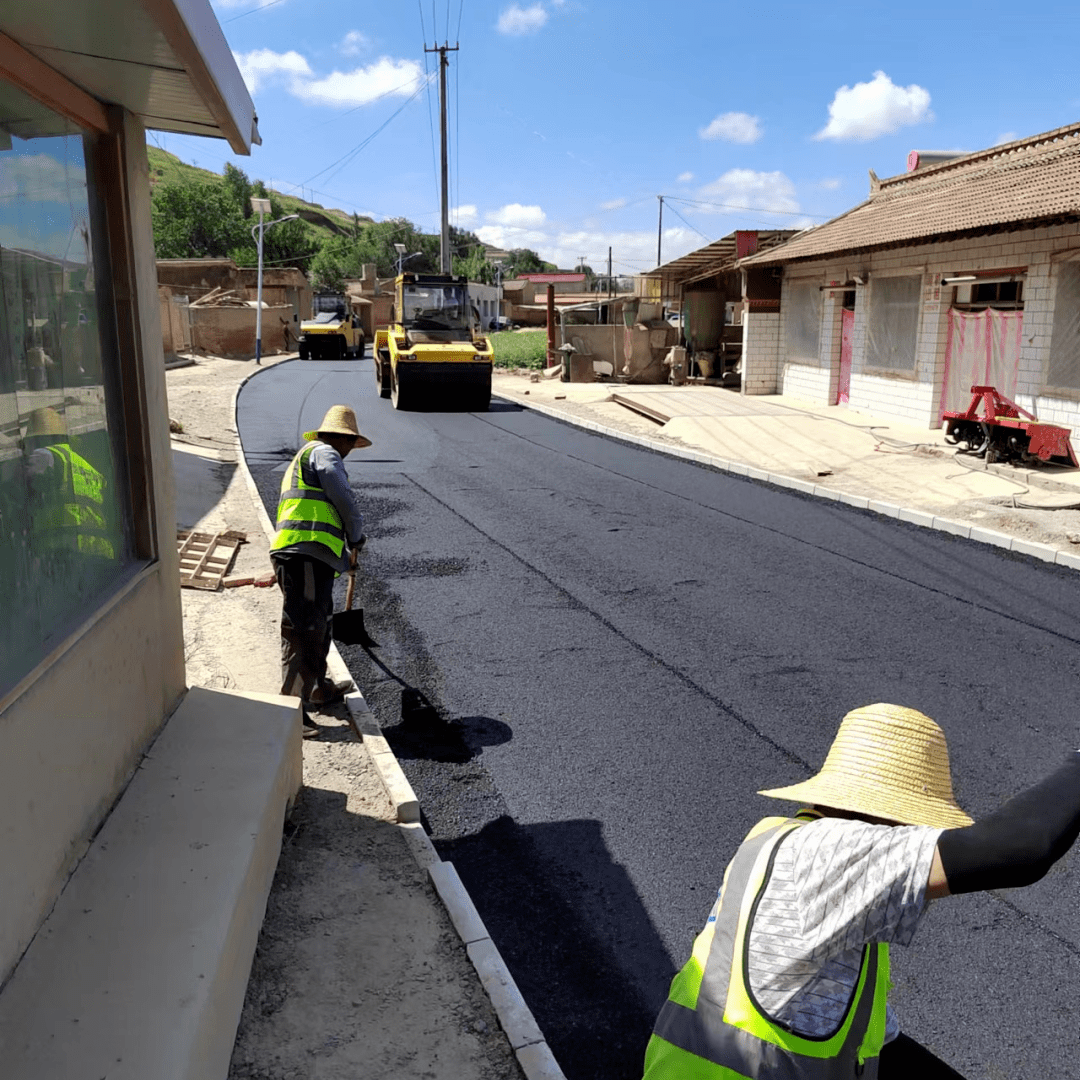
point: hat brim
(873, 801)
(359, 444)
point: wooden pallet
(205, 558)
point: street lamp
(262, 207)
(402, 258)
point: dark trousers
(905, 1059)
(307, 588)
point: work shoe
(329, 693)
(311, 729)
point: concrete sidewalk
(869, 461)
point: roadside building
(123, 935)
(964, 270)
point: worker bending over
(319, 530)
(789, 977)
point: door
(982, 349)
(847, 327)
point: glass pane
(894, 322)
(436, 307)
(802, 321)
(62, 510)
(1064, 371)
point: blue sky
(569, 117)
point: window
(802, 323)
(1064, 369)
(894, 322)
(64, 521)
(1004, 295)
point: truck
(334, 331)
(434, 348)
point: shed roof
(715, 258)
(1019, 183)
(167, 61)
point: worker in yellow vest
(69, 508)
(319, 528)
(788, 980)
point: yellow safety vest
(305, 515)
(75, 515)
(711, 1028)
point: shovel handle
(352, 581)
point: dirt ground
(358, 971)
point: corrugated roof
(713, 259)
(1029, 180)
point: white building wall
(915, 397)
(761, 352)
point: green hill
(168, 169)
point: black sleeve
(1018, 843)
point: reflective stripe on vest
(75, 519)
(711, 1027)
(305, 515)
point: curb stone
(524, 1035)
(922, 518)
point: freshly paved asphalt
(619, 648)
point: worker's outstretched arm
(1015, 845)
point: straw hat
(339, 420)
(45, 422)
(887, 762)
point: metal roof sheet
(1026, 181)
(167, 61)
(716, 258)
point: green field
(520, 348)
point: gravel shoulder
(358, 970)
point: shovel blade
(349, 629)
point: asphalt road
(619, 648)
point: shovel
(349, 624)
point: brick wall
(761, 352)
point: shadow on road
(541, 891)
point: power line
(694, 227)
(461, 6)
(751, 209)
(262, 7)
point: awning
(166, 61)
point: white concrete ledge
(458, 903)
(514, 1015)
(141, 969)
(916, 517)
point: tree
(239, 187)
(525, 261)
(192, 221)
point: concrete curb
(914, 516)
(525, 1037)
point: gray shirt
(325, 462)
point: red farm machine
(1002, 434)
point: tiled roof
(552, 279)
(715, 258)
(1030, 180)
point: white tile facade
(916, 396)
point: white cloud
(363, 85)
(464, 215)
(517, 21)
(261, 66)
(514, 215)
(879, 107)
(1006, 136)
(632, 252)
(768, 191)
(40, 178)
(354, 43)
(737, 127)
(613, 204)
(244, 3)
(686, 177)
(830, 183)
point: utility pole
(660, 231)
(444, 240)
(609, 288)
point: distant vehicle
(334, 333)
(501, 323)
